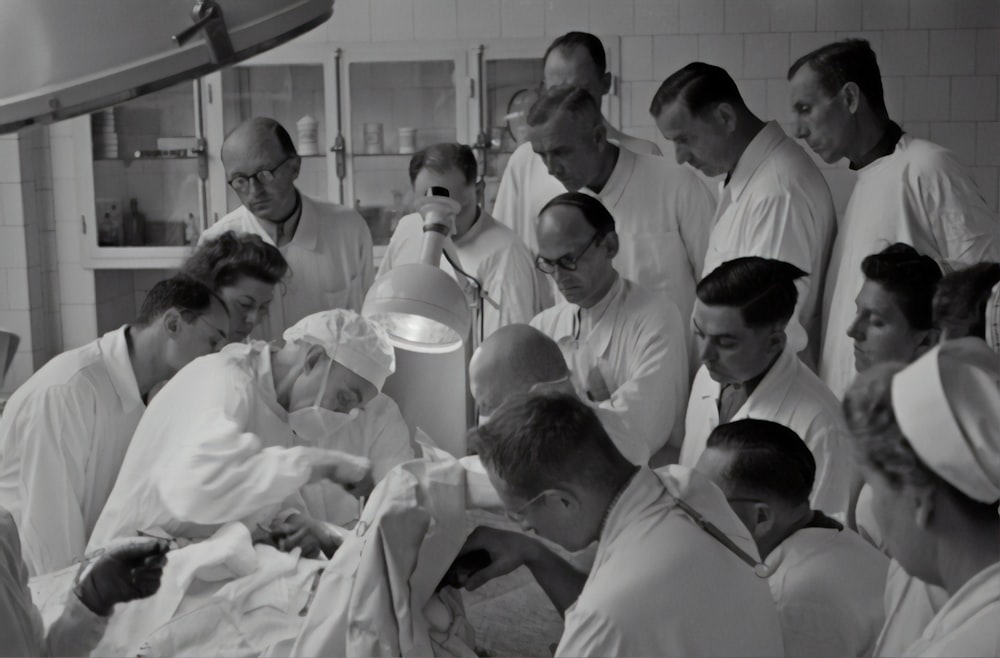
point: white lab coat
(63, 436)
(909, 605)
(777, 205)
(662, 216)
(967, 624)
(377, 594)
(214, 447)
(75, 633)
(792, 395)
(662, 586)
(633, 342)
(920, 195)
(329, 259)
(489, 251)
(380, 434)
(827, 585)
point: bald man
(328, 247)
(515, 359)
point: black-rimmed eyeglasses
(262, 176)
(567, 262)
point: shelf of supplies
(383, 155)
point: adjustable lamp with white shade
(421, 307)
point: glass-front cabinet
(151, 173)
(142, 179)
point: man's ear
(313, 356)
(605, 85)
(851, 94)
(930, 338)
(172, 322)
(566, 499)
(763, 517)
(725, 115)
(295, 166)
(777, 339)
(923, 504)
(610, 243)
(600, 135)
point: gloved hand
(351, 472)
(123, 573)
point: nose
(801, 131)
(251, 316)
(856, 329)
(708, 351)
(682, 154)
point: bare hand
(507, 550)
(302, 531)
(349, 471)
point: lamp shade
(422, 308)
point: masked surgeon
(217, 444)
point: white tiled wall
(940, 61)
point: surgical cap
(947, 404)
(359, 344)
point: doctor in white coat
(926, 436)
(908, 190)
(217, 445)
(65, 431)
(750, 371)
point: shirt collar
(593, 329)
(773, 384)
(477, 228)
(617, 182)
(265, 376)
(642, 490)
(114, 353)
(306, 233)
(757, 151)
(885, 145)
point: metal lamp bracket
(207, 17)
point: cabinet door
(142, 189)
(397, 102)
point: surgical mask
(316, 422)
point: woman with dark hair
(893, 321)
(961, 299)
(242, 269)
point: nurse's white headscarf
(359, 344)
(947, 404)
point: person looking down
(660, 584)
(624, 343)
(749, 371)
(65, 431)
(242, 270)
(827, 582)
(927, 439)
(218, 445)
(328, 247)
(961, 298)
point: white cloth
(75, 633)
(662, 586)
(634, 144)
(791, 395)
(967, 624)
(628, 355)
(357, 343)
(489, 251)
(377, 594)
(379, 433)
(777, 205)
(329, 259)
(909, 605)
(662, 216)
(63, 436)
(947, 406)
(827, 585)
(214, 447)
(920, 195)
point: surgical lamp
(421, 307)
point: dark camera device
(463, 567)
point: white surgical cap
(359, 344)
(947, 404)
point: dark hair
(230, 256)
(567, 100)
(909, 277)
(539, 441)
(442, 157)
(961, 297)
(589, 206)
(573, 40)
(850, 60)
(189, 296)
(701, 86)
(767, 458)
(763, 289)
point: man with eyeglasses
(826, 581)
(624, 343)
(328, 247)
(65, 431)
(670, 576)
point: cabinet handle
(83, 223)
(472, 87)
